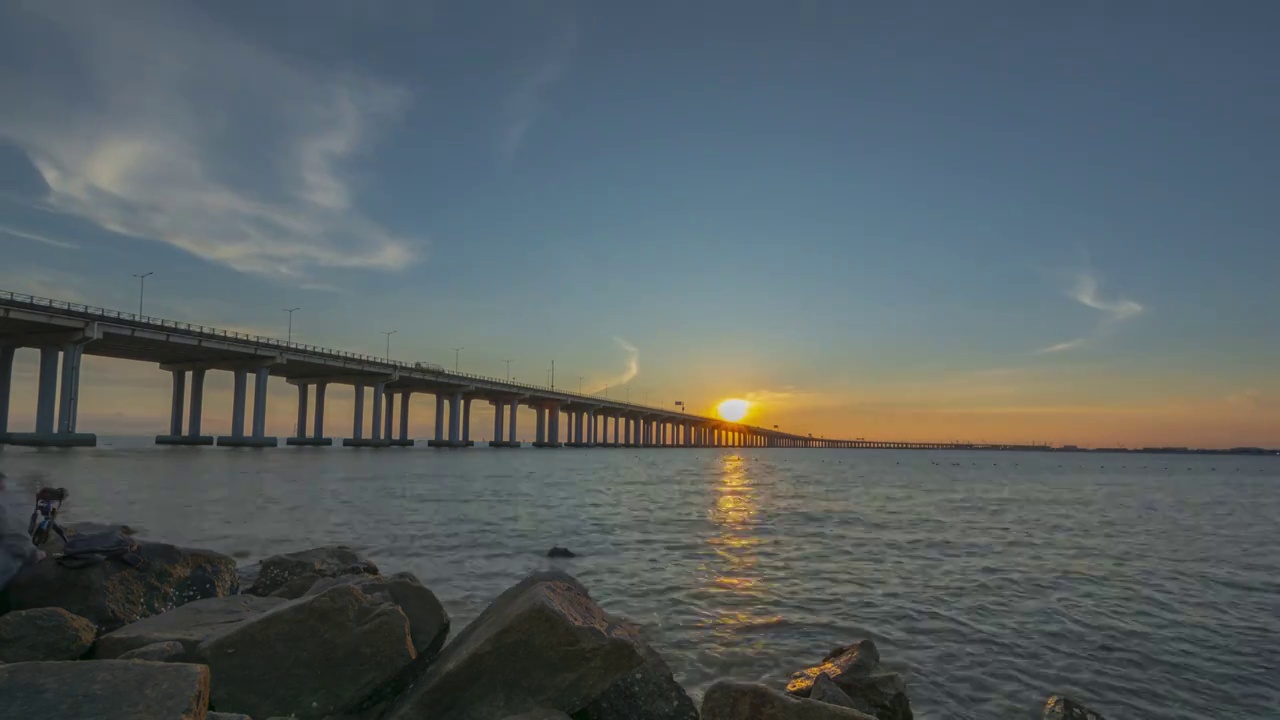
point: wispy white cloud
(631, 368)
(527, 102)
(36, 237)
(1085, 292)
(173, 129)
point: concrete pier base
(247, 441)
(579, 445)
(451, 444)
(56, 440)
(309, 441)
(402, 443)
(365, 442)
(504, 444)
(548, 445)
(184, 439)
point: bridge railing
(147, 321)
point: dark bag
(85, 550)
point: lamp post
(456, 351)
(579, 384)
(142, 288)
(389, 333)
(508, 362)
(290, 311)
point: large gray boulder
(318, 656)
(331, 561)
(428, 621)
(753, 701)
(649, 692)
(113, 593)
(168, 651)
(104, 690)
(542, 644)
(190, 624)
(856, 670)
(1061, 707)
(826, 690)
(44, 634)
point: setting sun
(733, 410)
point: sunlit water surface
(1147, 586)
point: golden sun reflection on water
(739, 592)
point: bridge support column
(258, 437)
(455, 421)
(466, 423)
(511, 424)
(47, 392)
(540, 426)
(553, 426)
(438, 439)
(6, 385)
(403, 440)
(498, 407)
(317, 438)
(379, 395)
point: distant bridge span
(64, 332)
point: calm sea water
(1146, 586)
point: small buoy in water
(560, 552)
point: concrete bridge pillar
(301, 431)
(318, 427)
(553, 423)
(439, 419)
(388, 414)
(176, 402)
(404, 440)
(498, 407)
(238, 388)
(455, 419)
(6, 385)
(357, 428)
(591, 428)
(47, 391)
(379, 395)
(260, 403)
(466, 422)
(511, 427)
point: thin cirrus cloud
(522, 107)
(37, 237)
(1085, 292)
(631, 367)
(162, 125)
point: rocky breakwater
(321, 634)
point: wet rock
(44, 634)
(560, 552)
(170, 651)
(112, 594)
(428, 621)
(825, 690)
(753, 701)
(330, 561)
(541, 644)
(539, 715)
(296, 587)
(321, 655)
(189, 625)
(856, 670)
(226, 716)
(1061, 707)
(649, 692)
(104, 690)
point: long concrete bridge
(65, 332)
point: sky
(983, 221)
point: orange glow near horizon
(733, 409)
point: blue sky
(924, 220)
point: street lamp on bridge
(456, 351)
(508, 362)
(142, 288)
(389, 333)
(289, 337)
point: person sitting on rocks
(48, 500)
